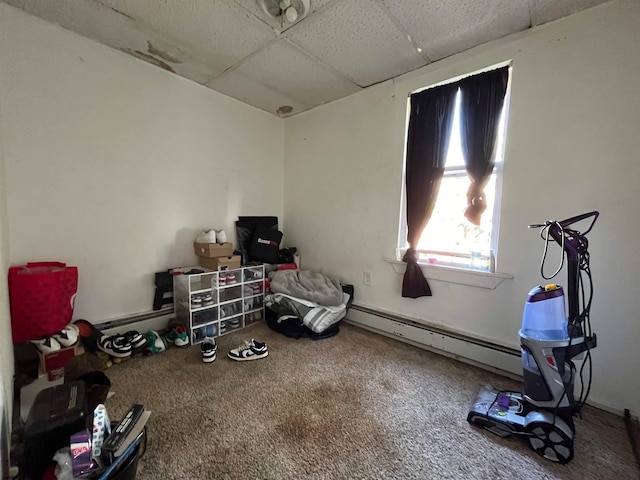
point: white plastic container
(544, 315)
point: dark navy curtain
(482, 101)
(429, 131)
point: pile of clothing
(306, 303)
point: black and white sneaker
(116, 346)
(68, 336)
(135, 339)
(249, 350)
(208, 348)
(47, 344)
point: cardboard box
(53, 363)
(213, 250)
(230, 262)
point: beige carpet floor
(355, 406)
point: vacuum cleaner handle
(578, 218)
(570, 221)
(569, 239)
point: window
(450, 239)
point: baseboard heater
(142, 322)
(478, 352)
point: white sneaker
(47, 344)
(249, 350)
(68, 335)
(207, 236)
(208, 349)
(221, 235)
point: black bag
(246, 228)
(265, 245)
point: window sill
(461, 276)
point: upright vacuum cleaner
(550, 342)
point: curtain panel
(481, 105)
(429, 131)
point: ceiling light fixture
(286, 12)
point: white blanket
(306, 285)
(316, 317)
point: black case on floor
(57, 413)
(294, 328)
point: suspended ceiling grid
(338, 48)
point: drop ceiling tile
(445, 28)
(543, 11)
(253, 7)
(200, 39)
(102, 23)
(91, 20)
(359, 40)
(216, 32)
(284, 68)
(247, 90)
(194, 70)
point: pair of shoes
(249, 350)
(226, 278)
(122, 345)
(230, 309)
(177, 336)
(208, 349)
(66, 337)
(201, 300)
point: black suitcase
(57, 413)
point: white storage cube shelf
(213, 303)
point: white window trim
(453, 271)
(461, 276)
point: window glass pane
(449, 230)
(454, 152)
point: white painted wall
(6, 347)
(572, 147)
(114, 165)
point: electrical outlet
(366, 277)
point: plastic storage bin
(544, 315)
(213, 303)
